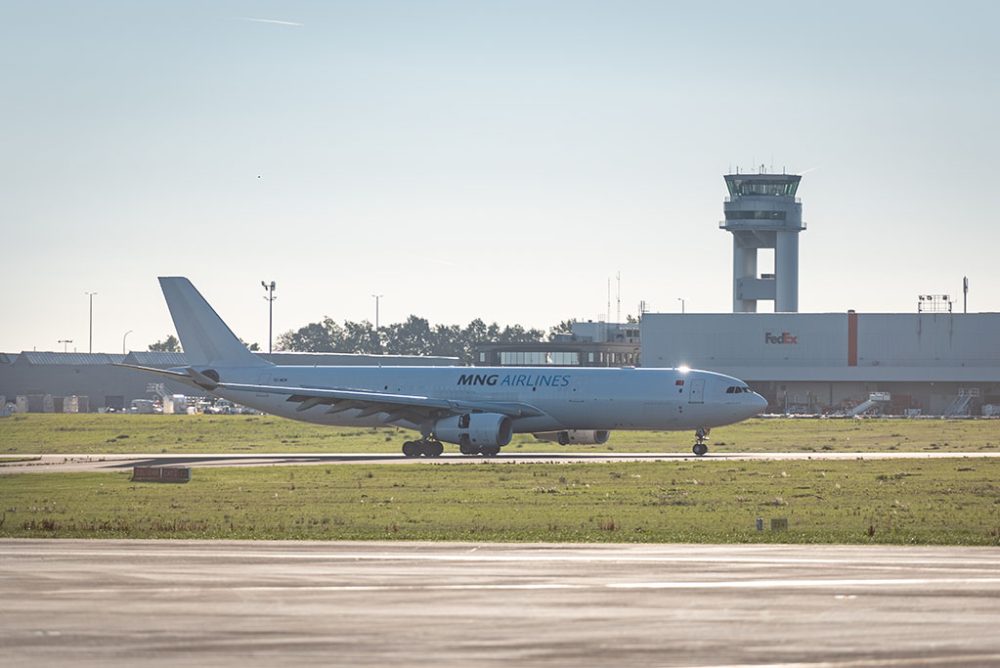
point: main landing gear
(423, 448)
(700, 436)
(484, 450)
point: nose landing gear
(700, 436)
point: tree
(564, 327)
(252, 347)
(359, 337)
(412, 337)
(415, 336)
(316, 337)
(167, 345)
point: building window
(755, 215)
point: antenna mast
(618, 318)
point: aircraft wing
(405, 406)
(414, 408)
(399, 406)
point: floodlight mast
(378, 338)
(270, 297)
(90, 346)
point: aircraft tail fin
(205, 338)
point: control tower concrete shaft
(763, 212)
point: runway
(119, 461)
(99, 603)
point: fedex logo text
(781, 339)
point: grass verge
(948, 501)
(148, 434)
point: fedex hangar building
(937, 363)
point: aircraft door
(264, 379)
(696, 394)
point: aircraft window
(730, 390)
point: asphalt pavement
(121, 461)
(215, 603)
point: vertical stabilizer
(206, 339)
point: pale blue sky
(480, 159)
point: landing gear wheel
(490, 451)
(431, 448)
(700, 449)
(412, 449)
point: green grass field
(98, 434)
(948, 501)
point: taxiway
(123, 461)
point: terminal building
(588, 343)
(934, 361)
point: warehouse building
(934, 363)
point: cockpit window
(737, 389)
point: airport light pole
(681, 300)
(65, 342)
(124, 336)
(269, 288)
(90, 347)
(378, 338)
(377, 298)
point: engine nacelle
(582, 436)
(475, 429)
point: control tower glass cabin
(763, 212)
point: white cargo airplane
(477, 408)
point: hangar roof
(40, 358)
(152, 358)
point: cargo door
(264, 379)
(696, 394)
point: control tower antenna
(618, 317)
(763, 212)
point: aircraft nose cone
(759, 404)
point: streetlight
(377, 298)
(65, 342)
(90, 347)
(681, 300)
(124, 336)
(378, 339)
(269, 288)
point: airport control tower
(763, 212)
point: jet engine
(582, 436)
(475, 429)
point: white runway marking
(989, 564)
(787, 583)
(968, 659)
(797, 583)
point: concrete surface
(122, 461)
(208, 603)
